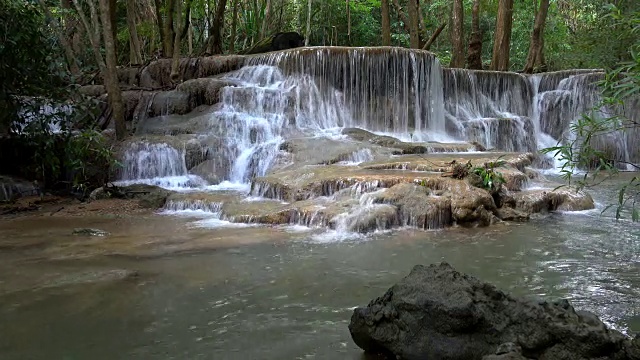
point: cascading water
(156, 164)
(312, 92)
(389, 90)
(563, 98)
(491, 108)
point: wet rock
(511, 214)
(212, 171)
(416, 207)
(358, 134)
(204, 91)
(470, 204)
(197, 121)
(157, 74)
(12, 188)
(366, 219)
(148, 196)
(90, 232)
(305, 150)
(540, 201)
(92, 90)
(444, 162)
(438, 313)
(405, 148)
(98, 194)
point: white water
(157, 164)
(396, 92)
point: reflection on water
(277, 299)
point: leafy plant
(491, 179)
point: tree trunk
(214, 43)
(264, 30)
(457, 34)
(307, 33)
(111, 74)
(502, 41)
(93, 34)
(414, 24)
(161, 28)
(190, 34)
(535, 49)
(177, 30)
(402, 16)
(234, 24)
(113, 18)
(386, 23)
(348, 23)
(474, 55)
(135, 55)
(165, 25)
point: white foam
(213, 223)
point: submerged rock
(148, 196)
(437, 312)
(90, 232)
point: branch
(433, 37)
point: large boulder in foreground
(437, 312)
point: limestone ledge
(356, 198)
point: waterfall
(391, 90)
(316, 90)
(404, 93)
(489, 107)
(156, 164)
(563, 98)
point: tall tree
(348, 23)
(108, 63)
(536, 48)
(165, 18)
(386, 23)
(69, 54)
(234, 24)
(135, 54)
(266, 22)
(502, 40)
(457, 34)
(214, 42)
(414, 24)
(474, 54)
(307, 34)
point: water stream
(256, 293)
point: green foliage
(491, 179)
(56, 137)
(62, 144)
(27, 58)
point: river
(160, 288)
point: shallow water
(161, 288)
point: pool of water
(160, 288)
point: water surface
(160, 288)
